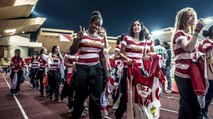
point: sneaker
(57, 100)
(70, 110)
(115, 106)
(168, 91)
(83, 114)
(104, 112)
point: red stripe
(88, 60)
(134, 51)
(84, 52)
(94, 39)
(182, 71)
(92, 46)
(179, 51)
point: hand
(80, 33)
(129, 61)
(199, 25)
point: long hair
(103, 29)
(119, 39)
(131, 33)
(42, 51)
(182, 19)
(181, 22)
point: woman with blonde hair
(183, 43)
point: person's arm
(103, 59)
(75, 45)
(190, 45)
(67, 63)
(123, 54)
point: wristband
(198, 31)
(195, 35)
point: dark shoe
(42, 94)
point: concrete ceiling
(50, 37)
(14, 17)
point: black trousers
(88, 81)
(189, 106)
(122, 105)
(123, 102)
(54, 79)
(20, 75)
(208, 98)
(40, 77)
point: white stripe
(168, 110)
(180, 38)
(184, 56)
(182, 66)
(132, 54)
(124, 42)
(17, 101)
(90, 49)
(182, 75)
(88, 56)
(88, 64)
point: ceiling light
(10, 31)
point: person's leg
(95, 90)
(168, 77)
(40, 79)
(56, 84)
(50, 84)
(81, 88)
(189, 106)
(12, 90)
(123, 104)
(208, 99)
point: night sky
(117, 14)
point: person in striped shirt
(132, 48)
(90, 68)
(183, 43)
(17, 65)
(206, 47)
(34, 68)
(42, 59)
(55, 60)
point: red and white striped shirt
(42, 59)
(89, 50)
(34, 65)
(55, 62)
(182, 58)
(134, 50)
(206, 45)
(17, 63)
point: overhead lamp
(10, 31)
(208, 19)
(158, 32)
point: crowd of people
(134, 76)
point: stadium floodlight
(157, 32)
(9, 31)
(208, 19)
(162, 31)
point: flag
(65, 37)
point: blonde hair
(105, 33)
(181, 22)
(182, 19)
